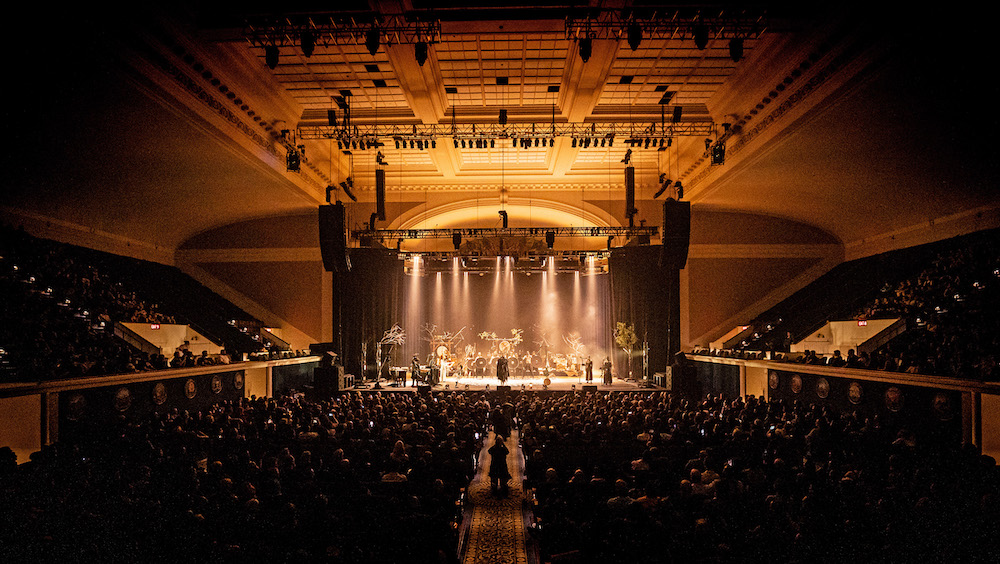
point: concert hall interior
(723, 278)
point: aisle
(496, 533)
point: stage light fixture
(719, 154)
(420, 144)
(680, 189)
(292, 161)
(463, 143)
(647, 143)
(271, 56)
(550, 239)
(574, 143)
(493, 143)
(397, 143)
(412, 143)
(536, 142)
(736, 49)
(308, 43)
(420, 52)
(586, 47)
(456, 142)
(372, 40)
(434, 143)
(340, 145)
(346, 187)
(634, 35)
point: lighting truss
(340, 29)
(481, 232)
(387, 131)
(666, 24)
(584, 262)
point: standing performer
(502, 373)
(607, 370)
(414, 371)
(499, 474)
(590, 370)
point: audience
(59, 311)
(357, 478)
(950, 310)
(711, 481)
(642, 476)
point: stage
(473, 383)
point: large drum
(442, 352)
(513, 365)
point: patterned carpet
(496, 534)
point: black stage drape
(644, 294)
(366, 304)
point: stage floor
(559, 383)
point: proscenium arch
(521, 212)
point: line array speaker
(380, 193)
(629, 192)
(676, 233)
(333, 237)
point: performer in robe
(590, 370)
(607, 370)
(502, 373)
(499, 473)
(415, 375)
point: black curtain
(644, 294)
(367, 303)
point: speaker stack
(333, 237)
(330, 380)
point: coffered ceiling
(158, 124)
